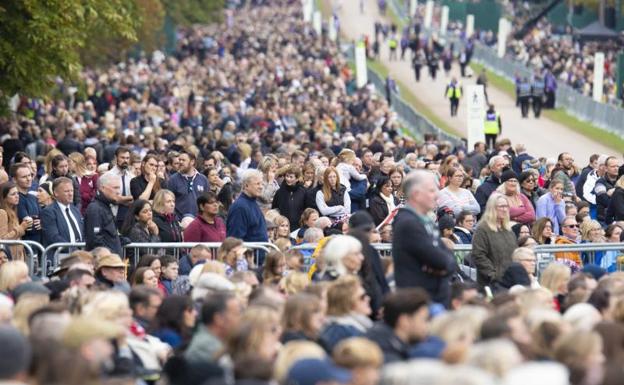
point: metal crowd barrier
(32, 258)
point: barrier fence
(603, 115)
(41, 259)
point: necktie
(123, 183)
(73, 225)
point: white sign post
(428, 14)
(475, 114)
(361, 77)
(413, 7)
(317, 23)
(308, 9)
(469, 25)
(331, 29)
(444, 20)
(503, 31)
(598, 76)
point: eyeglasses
(529, 181)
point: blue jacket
(185, 196)
(29, 207)
(246, 221)
(333, 333)
(358, 195)
(55, 226)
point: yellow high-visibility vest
(456, 89)
(491, 123)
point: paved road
(542, 137)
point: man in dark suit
(420, 258)
(61, 221)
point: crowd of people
(255, 132)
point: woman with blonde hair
(257, 334)
(295, 282)
(582, 353)
(274, 267)
(520, 208)
(493, 241)
(292, 352)
(169, 229)
(555, 278)
(12, 274)
(346, 170)
(449, 161)
(87, 180)
(303, 318)
(592, 232)
(268, 166)
(333, 199)
(348, 311)
(362, 357)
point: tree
(190, 12)
(41, 39)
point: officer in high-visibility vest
(492, 126)
(454, 93)
(393, 43)
(524, 96)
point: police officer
(454, 93)
(524, 96)
(537, 95)
(492, 126)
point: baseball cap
(311, 371)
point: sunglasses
(571, 226)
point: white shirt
(72, 236)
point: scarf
(389, 202)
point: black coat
(378, 208)
(168, 230)
(290, 201)
(310, 197)
(615, 211)
(393, 348)
(100, 227)
(416, 247)
(490, 184)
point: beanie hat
(508, 174)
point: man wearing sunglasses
(570, 230)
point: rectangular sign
(361, 76)
(428, 14)
(444, 20)
(598, 76)
(475, 114)
(469, 25)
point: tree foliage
(188, 12)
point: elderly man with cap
(110, 273)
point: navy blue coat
(54, 225)
(100, 228)
(246, 221)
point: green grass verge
(558, 115)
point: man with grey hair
(420, 258)
(99, 221)
(245, 219)
(490, 184)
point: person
(419, 257)
(199, 254)
(348, 311)
(59, 166)
(615, 210)
(144, 302)
(483, 81)
(99, 220)
(609, 260)
(497, 163)
(342, 255)
(346, 170)
(587, 189)
(13, 344)
(62, 220)
(537, 95)
(268, 167)
(187, 184)
(564, 171)
(570, 231)
(524, 96)
(169, 229)
(10, 227)
(110, 273)
(333, 199)
(520, 208)
(289, 199)
(605, 187)
(148, 183)
(245, 219)
(492, 126)
(144, 276)
(124, 173)
(527, 259)
(453, 93)
(552, 206)
(529, 187)
(220, 315)
(303, 318)
(455, 197)
(493, 241)
(45, 195)
(418, 61)
(27, 206)
(362, 357)
(383, 201)
(542, 231)
(139, 226)
(464, 227)
(232, 254)
(405, 323)
(174, 320)
(208, 226)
